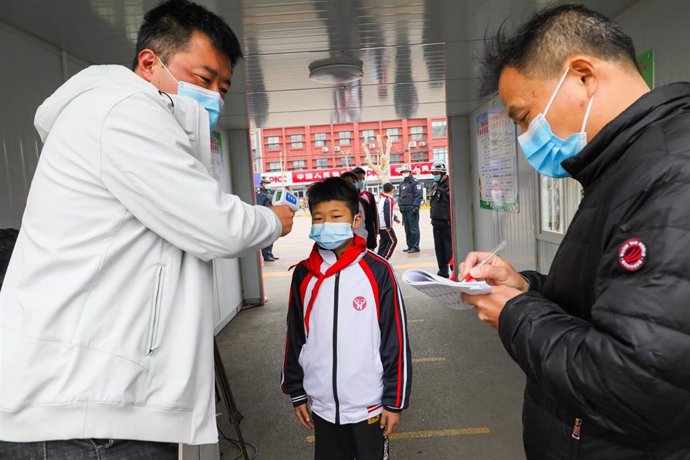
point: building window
(273, 142)
(417, 133)
(420, 156)
(441, 154)
(393, 133)
(322, 162)
(440, 129)
(320, 139)
(347, 162)
(396, 158)
(298, 164)
(274, 166)
(297, 141)
(345, 137)
(368, 136)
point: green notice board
(646, 63)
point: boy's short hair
(359, 171)
(349, 175)
(388, 187)
(334, 189)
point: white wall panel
(33, 70)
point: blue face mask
(543, 149)
(209, 100)
(360, 185)
(331, 235)
(437, 178)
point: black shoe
(270, 259)
(275, 258)
(412, 251)
(407, 250)
(442, 275)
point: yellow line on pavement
(429, 360)
(433, 433)
(397, 267)
(415, 321)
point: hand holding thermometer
(501, 246)
(284, 197)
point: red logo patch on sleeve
(632, 254)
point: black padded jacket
(604, 339)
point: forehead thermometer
(282, 196)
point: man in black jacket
(604, 338)
(440, 217)
(264, 197)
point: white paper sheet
(444, 290)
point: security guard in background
(440, 217)
(409, 198)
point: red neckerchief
(314, 262)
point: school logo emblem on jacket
(632, 254)
(360, 303)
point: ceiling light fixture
(336, 70)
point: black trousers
(442, 246)
(360, 441)
(387, 242)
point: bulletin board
(497, 160)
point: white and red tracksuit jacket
(347, 349)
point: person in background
(347, 364)
(8, 237)
(440, 217)
(106, 310)
(371, 218)
(386, 206)
(409, 199)
(351, 178)
(603, 339)
(264, 198)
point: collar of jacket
(611, 143)
(318, 256)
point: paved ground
(466, 394)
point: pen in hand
(501, 246)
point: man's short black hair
(358, 170)
(168, 27)
(349, 175)
(541, 46)
(8, 236)
(388, 187)
(334, 189)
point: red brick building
(300, 154)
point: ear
(357, 222)
(587, 71)
(147, 64)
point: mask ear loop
(558, 87)
(589, 107)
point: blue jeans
(88, 449)
(411, 223)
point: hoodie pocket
(156, 310)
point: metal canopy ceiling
(419, 56)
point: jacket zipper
(153, 333)
(575, 434)
(335, 350)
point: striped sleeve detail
(374, 285)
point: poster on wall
(646, 62)
(552, 208)
(497, 152)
